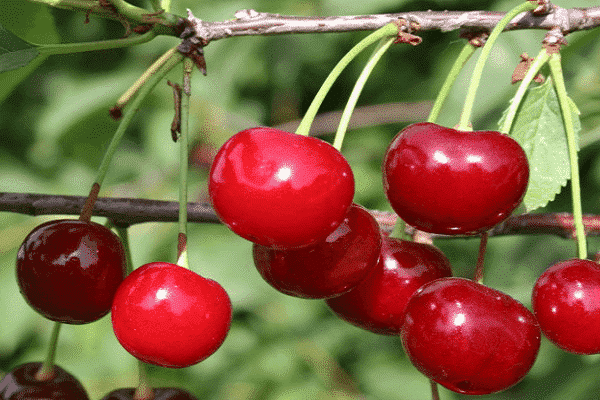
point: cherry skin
(69, 270)
(328, 268)
(566, 302)
(446, 181)
(159, 394)
(377, 304)
(468, 337)
(20, 384)
(167, 315)
(279, 189)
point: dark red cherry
(279, 189)
(468, 337)
(377, 304)
(566, 302)
(159, 394)
(69, 270)
(446, 181)
(328, 268)
(20, 384)
(167, 315)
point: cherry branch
(126, 212)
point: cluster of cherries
(292, 196)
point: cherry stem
(46, 371)
(435, 395)
(399, 230)
(124, 235)
(144, 390)
(465, 118)
(467, 51)
(387, 30)
(182, 254)
(478, 275)
(88, 207)
(567, 114)
(382, 47)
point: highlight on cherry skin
(566, 303)
(69, 270)
(468, 337)
(167, 315)
(327, 268)
(280, 189)
(378, 303)
(446, 181)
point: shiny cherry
(468, 337)
(446, 181)
(377, 304)
(69, 270)
(328, 268)
(279, 189)
(167, 315)
(566, 302)
(159, 394)
(20, 384)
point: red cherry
(377, 304)
(566, 302)
(327, 268)
(167, 315)
(20, 384)
(69, 270)
(159, 394)
(280, 189)
(468, 337)
(446, 181)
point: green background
(55, 126)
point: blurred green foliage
(55, 126)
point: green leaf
(14, 52)
(539, 128)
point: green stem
(124, 235)
(565, 106)
(465, 118)
(435, 395)
(68, 48)
(387, 30)
(538, 63)
(130, 112)
(46, 372)
(399, 230)
(464, 56)
(382, 47)
(144, 390)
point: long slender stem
(144, 390)
(435, 395)
(565, 106)
(46, 372)
(124, 235)
(478, 275)
(67, 48)
(387, 30)
(382, 47)
(465, 118)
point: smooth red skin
(167, 315)
(69, 270)
(377, 304)
(159, 394)
(468, 337)
(441, 180)
(20, 384)
(253, 195)
(325, 269)
(566, 302)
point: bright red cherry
(159, 394)
(328, 268)
(377, 304)
(69, 270)
(167, 315)
(566, 302)
(446, 181)
(279, 189)
(468, 337)
(20, 384)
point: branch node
(522, 68)
(404, 32)
(554, 40)
(476, 36)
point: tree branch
(126, 212)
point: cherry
(377, 304)
(468, 337)
(69, 270)
(446, 181)
(566, 302)
(328, 268)
(159, 394)
(167, 315)
(279, 189)
(20, 384)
